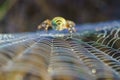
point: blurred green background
(25, 15)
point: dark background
(25, 15)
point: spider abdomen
(58, 23)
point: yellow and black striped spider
(59, 24)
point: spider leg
(71, 27)
(45, 25)
(46, 28)
(71, 31)
(39, 27)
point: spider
(59, 24)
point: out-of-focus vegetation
(25, 15)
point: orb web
(92, 53)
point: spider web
(91, 54)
